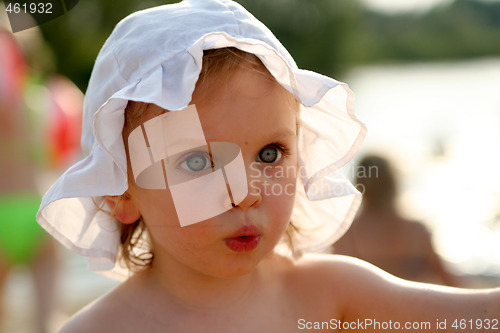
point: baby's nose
(253, 199)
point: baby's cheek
(157, 208)
(281, 195)
(277, 180)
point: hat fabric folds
(155, 56)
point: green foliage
(467, 28)
(327, 36)
(317, 33)
(77, 36)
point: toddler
(211, 171)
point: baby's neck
(245, 303)
(192, 289)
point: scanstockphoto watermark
(364, 324)
(28, 14)
(269, 180)
(359, 325)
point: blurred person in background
(381, 236)
(39, 134)
(22, 241)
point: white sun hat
(155, 56)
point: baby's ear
(124, 208)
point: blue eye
(270, 155)
(196, 162)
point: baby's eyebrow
(273, 137)
(280, 134)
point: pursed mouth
(246, 231)
(244, 243)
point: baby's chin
(238, 269)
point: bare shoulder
(359, 288)
(88, 319)
(339, 268)
(341, 277)
(349, 279)
(96, 316)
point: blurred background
(426, 75)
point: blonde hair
(217, 64)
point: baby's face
(255, 114)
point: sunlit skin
(198, 284)
(253, 119)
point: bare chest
(271, 316)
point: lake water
(440, 122)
